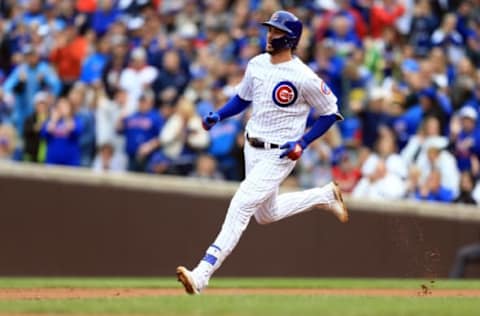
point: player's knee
(263, 220)
(249, 199)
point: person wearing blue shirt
(105, 14)
(92, 68)
(61, 132)
(223, 140)
(467, 141)
(474, 101)
(86, 115)
(25, 81)
(422, 26)
(343, 36)
(328, 66)
(433, 191)
(139, 128)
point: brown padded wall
(48, 228)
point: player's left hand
(293, 150)
(209, 120)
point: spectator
(140, 128)
(181, 139)
(62, 132)
(206, 168)
(474, 100)
(315, 168)
(197, 91)
(8, 142)
(115, 65)
(137, 77)
(373, 116)
(466, 139)
(432, 189)
(343, 36)
(379, 184)
(422, 27)
(345, 171)
(465, 256)
(108, 160)
(467, 181)
(447, 37)
(6, 104)
(171, 75)
(329, 67)
(415, 152)
(85, 112)
(442, 71)
(383, 172)
(384, 14)
(428, 105)
(345, 9)
(105, 14)
(67, 56)
(25, 81)
(223, 140)
(463, 82)
(35, 148)
(107, 115)
(476, 192)
(440, 159)
(94, 64)
(473, 41)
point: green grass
(252, 305)
(310, 283)
(243, 305)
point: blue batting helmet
(290, 24)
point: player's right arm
(235, 105)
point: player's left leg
(259, 186)
(285, 205)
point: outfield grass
(243, 305)
(252, 305)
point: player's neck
(281, 57)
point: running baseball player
(281, 90)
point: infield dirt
(72, 293)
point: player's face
(273, 33)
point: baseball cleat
(186, 278)
(338, 206)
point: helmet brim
(278, 26)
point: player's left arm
(318, 94)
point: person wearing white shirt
(137, 77)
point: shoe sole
(338, 196)
(182, 276)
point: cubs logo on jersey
(284, 94)
(325, 89)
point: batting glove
(293, 150)
(209, 120)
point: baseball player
(281, 89)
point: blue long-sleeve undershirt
(321, 125)
(234, 106)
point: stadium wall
(65, 222)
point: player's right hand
(209, 120)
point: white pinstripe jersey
(281, 96)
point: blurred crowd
(121, 85)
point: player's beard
(272, 51)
